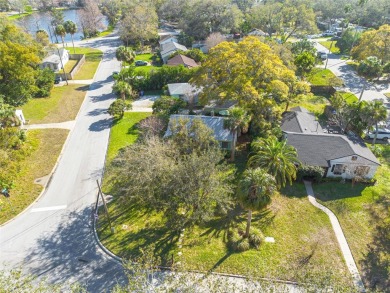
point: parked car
(141, 63)
(328, 34)
(383, 134)
(57, 79)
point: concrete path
(143, 104)
(340, 238)
(62, 125)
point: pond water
(41, 21)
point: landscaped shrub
(117, 108)
(255, 237)
(242, 245)
(314, 173)
(44, 82)
(238, 242)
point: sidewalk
(340, 238)
(62, 125)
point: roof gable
(170, 47)
(300, 122)
(182, 60)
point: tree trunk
(63, 42)
(233, 150)
(287, 104)
(74, 51)
(376, 133)
(248, 223)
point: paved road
(53, 237)
(353, 82)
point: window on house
(224, 144)
(338, 169)
(354, 158)
(362, 170)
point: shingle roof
(171, 47)
(300, 122)
(183, 60)
(181, 88)
(317, 150)
(215, 123)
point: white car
(383, 134)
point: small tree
(117, 109)
(214, 39)
(125, 54)
(304, 62)
(70, 28)
(370, 67)
(123, 89)
(255, 190)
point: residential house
(53, 59)
(223, 135)
(201, 45)
(217, 107)
(184, 91)
(169, 48)
(167, 39)
(182, 60)
(339, 155)
(257, 32)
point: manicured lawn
(20, 15)
(124, 133)
(363, 212)
(145, 57)
(331, 45)
(149, 58)
(315, 104)
(92, 60)
(320, 76)
(349, 97)
(46, 146)
(108, 31)
(62, 105)
(69, 65)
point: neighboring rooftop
(300, 121)
(182, 60)
(171, 47)
(178, 89)
(215, 123)
(317, 150)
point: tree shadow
(101, 125)
(101, 98)
(376, 261)
(70, 254)
(97, 112)
(219, 262)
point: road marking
(36, 210)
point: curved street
(53, 238)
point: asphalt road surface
(53, 237)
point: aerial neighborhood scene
(194, 146)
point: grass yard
(62, 105)
(69, 65)
(20, 15)
(387, 95)
(319, 76)
(315, 104)
(149, 57)
(92, 60)
(106, 32)
(363, 212)
(331, 45)
(305, 242)
(349, 97)
(46, 146)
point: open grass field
(62, 105)
(92, 60)
(364, 215)
(46, 146)
(331, 45)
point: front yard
(304, 246)
(92, 60)
(319, 76)
(331, 45)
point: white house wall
(351, 166)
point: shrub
(238, 242)
(242, 245)
(117, 109)
(44, 82)
(377, 150)
(314, 173)
(255, 237)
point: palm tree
(125, 54)
(70, 28)
(60, 31)
(123, 88)
(238, 119)
(276, 157)
(254, 192)
(377, 113)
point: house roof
(182, 60)
(181, 88)
(319, 149)
(166, 37)
(300, 122)
(215, 123)
(53, 56)
(257, 32)
(299, 109)
(171, 47)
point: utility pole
(361, 94)
(105, 207)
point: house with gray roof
(344, 156)
(224, 136)
(168, 48)
(54, 58)
(184, 91)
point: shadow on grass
(376, 261)
(329, 191)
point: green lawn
(349, 97)
(92, 60)
(387, 95)
(331, 45)
(106, 32)
(314, 103)
(149, 58)
(46, 146)
(69, 65)
(319, 76)
(62, 105)
(20, 15)
(305, 242)
(363, 212)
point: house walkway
(340, 238)
(62, 125)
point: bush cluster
(238, 242)
(314, 173)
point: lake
(41, 21)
